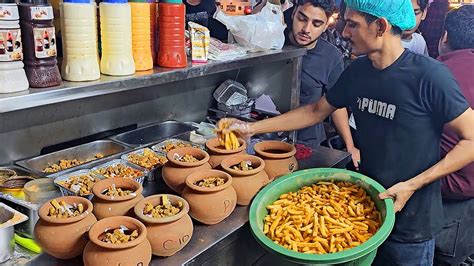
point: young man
(401, 101)
(411, 39)
(321, 66)
(456, 49)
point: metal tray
(155, 133)
(159, 147)
(139, 179)
(155, 172)
(20, 171)
(67, 192)
(27, 208)
(81, 152)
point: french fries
(229, 140)
(326, 217)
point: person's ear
(444, 37)
(382, 26)
(425, 12)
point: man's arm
(341, 122)
(299, 118)
(461, 155)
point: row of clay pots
(278, 160)
(65, 238)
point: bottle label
(9, 12)
(42, 13)
(10, 45)
(45, 42)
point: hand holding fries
(227, 138)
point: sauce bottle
(116, 38)
(141, 34)
(171, 25)
(36, 21)
(12, 74)
(79, 38)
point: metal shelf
(70, 91)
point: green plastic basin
(360, 255)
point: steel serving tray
(68, 192)
(155, 133)
(155, 172)
(115, 162)
(81, 152)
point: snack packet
(200, 39)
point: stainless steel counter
(69, 91)
(207, 240)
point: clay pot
(219, 153)
(107, 206)
(279, 157)
(246, 183)
(135, 252)
(167, 235)
(64, 238)
(210, 205)
(175, 172)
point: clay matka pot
(108, 206)
(135, 252)
(210, 205)
(167, 235)
(174, 172)
(218, 153)
(64, 238)
(279, 157)
(246, 183)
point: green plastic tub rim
(307, 177)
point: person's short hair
(327, 5)
(460, 27)
(371, 18)
(424, 4)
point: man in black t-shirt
(401, 101)
(321, 66)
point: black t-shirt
(400, 112)
(202, 14)
(320, 69)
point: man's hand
(355, 153)
(240, 127)
(400, 193)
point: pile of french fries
(326, 217)
(228, 140)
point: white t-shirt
(417, 44)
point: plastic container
(79, 38)
(141, 34)
(12, 75)
(171, 24)
(40, 190)
(360, 255)
(116, 38)
(39, 42)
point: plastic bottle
(141, 34)
(79, 37)
(171, 24)
(12, 74)
(116, 38)
(153, 31)
(39, 42)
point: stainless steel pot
(8, 218)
